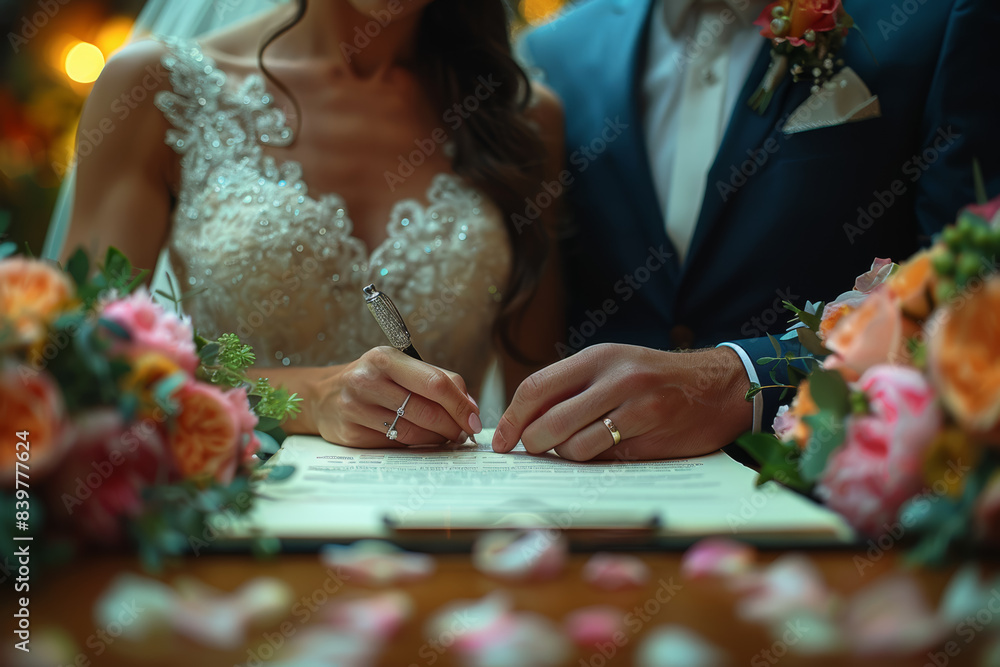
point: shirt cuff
(751, 369)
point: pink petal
(379, 617)
(513, 555)
(676, 646)
(891, 616)
(487, 633)
(376, 563)
(790, 584)
(717, 557)
(597, 625)
(615, 571)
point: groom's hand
(664, 404)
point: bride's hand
(354, 402)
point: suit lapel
(628, 153)
(747, 132)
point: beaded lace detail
(284, 270)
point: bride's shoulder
(545, 109)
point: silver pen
(391, 322)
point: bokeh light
(540, 11)
(84, 62)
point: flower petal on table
(615, 571)
(966, 595)
(891, 616)
(591, 626)
(319, 647)
(790, 584)
(676, 646)
(379, 616)
(513, 555)
(717, 557)
(376, 562)
(129, 593)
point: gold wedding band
(614, 431)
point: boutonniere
(805, 38)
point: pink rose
(153, 329)
(873, 334)
(213, 432)
(990, 211)
(880, 464)
(785, 423)
(102, 477)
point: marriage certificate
(330, 492)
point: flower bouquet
(895, 422)
(118, 423)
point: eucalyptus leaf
(78, 267)
(279, 473)
(7, 248)
(811, 342)
(209, 353)
(830, 392)
(163, 391)
(776, 345)
(827, 435)
(267, 423)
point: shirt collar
(676, 11)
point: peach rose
(32, 294)
(30, 401)
(873, 334)
(964, 359)
(209, 436)
(881, 463)
(153, 329)
(850, 301)
(789, 425)
(913, 284)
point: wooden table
(66, 599)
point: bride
(303, 152)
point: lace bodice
(283, 269)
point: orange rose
(210, 432)
(147, 370)
(32, 294)
(30, 401)
(802, 407)
(964, 358)
(913, 284)
(873, 334)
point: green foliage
(778, 460)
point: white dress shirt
(674, 33)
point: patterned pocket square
(844, 99)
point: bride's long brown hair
(497, 149)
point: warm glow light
(539, 11)
(113, 35)
(84, 63)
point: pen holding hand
(415, 411)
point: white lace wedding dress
(281, 267)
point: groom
(699, 216)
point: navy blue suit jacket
(784, 216)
